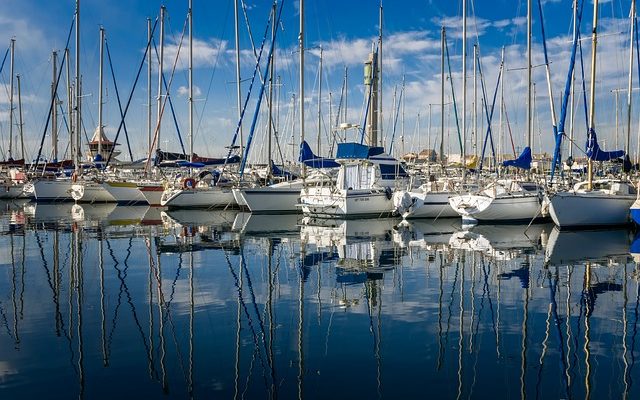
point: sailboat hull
(152, 193)
(91, 192)
(52, 190)
(198, 198)
(497, 209)
(570, 209)
(328, 203)
(424, 205)
(270, 199)
(126, 193)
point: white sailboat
(594, 203)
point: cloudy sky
(346, 32)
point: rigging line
(260, 96)
(248, 96)
(214, 69)
(115, 86)
(168, 96)
(135, 82)
(453, 95)
(52, 105)
(253, 46)
(164, 103)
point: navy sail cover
(595, 153)
(523, 161)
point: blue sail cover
(311, 160)
(279, 172)
(595, 153)
(523, 161)
(352, 150)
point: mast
(238, 92)
(190, 81)
(301, 100)
(67, 56)
(54, 110)
(9, 153)
(592, 89)
(464, 89)
(402, 98)
(442, 38)
(270, 117)
(529, 109)
(20, 123)
(320, 102)
(160, 66)
(78, 95)
(379, 80)
(149, 64)
(632, 16)
(100, 83)
(501, 130)
(475, 99)
(573, 81)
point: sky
(346, 31)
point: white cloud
(183, 91)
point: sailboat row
(364, 179)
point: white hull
(152, 193)
(198, 198)
(239, 196)
(271, 199)
(500, 209)
(91, 192)
(54, 190)
(125, 192)
(571, 209)
(325, 202)
(423, 205)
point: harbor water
(138, 302)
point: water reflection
(103, 301)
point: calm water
(106, 302)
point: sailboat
(507, 200)
(604, 201)
(56, 185)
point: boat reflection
(363, 249)
(501, 242)
(266, 224)
(427, 234)
(601, 246)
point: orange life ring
(188, 183)
(74, 177)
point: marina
(197, 203)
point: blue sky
(346, 30)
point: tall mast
(529, 109)
(20, 122)
(160, 66)
(442, 38)
(149, 64)
(592, 89)
(78, 95)
(573, 81)
(320, 103)
(100, 84)
(13, 45)
(54, 110)
(238, 92)
(67, 56)
(475, 99)
(501, 130)
(402, 98)
(190, 81)
(464, 88)
(379, 80)
(632, 16)
(270, 117)
(301, 100)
